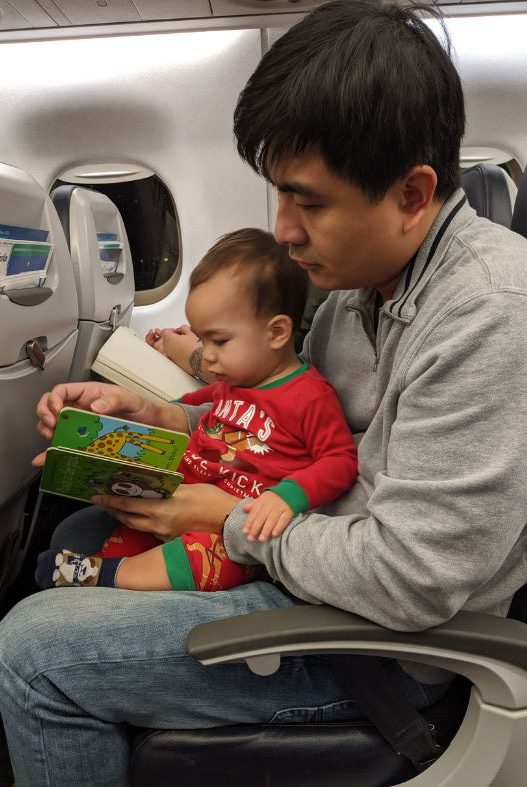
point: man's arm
(447, 512)
(105, 399)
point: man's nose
(288, 228)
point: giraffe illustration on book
(112, 443)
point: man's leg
(6, 774)
(84, 531)
(76, 665)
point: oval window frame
(91, 175)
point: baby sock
(69, 569)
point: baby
(271, 427)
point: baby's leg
(202, 557)
(146, 571)
(196, 561)
(125, 542)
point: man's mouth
(306, 264)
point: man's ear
(279, 331)
(416, 195)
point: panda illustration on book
(134, 487)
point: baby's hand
(269, 515)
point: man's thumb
(100, 405)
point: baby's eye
(219, 342)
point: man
(356, 116)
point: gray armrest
(318, 629)
(489, 748)
(490, 651)
(261, 638)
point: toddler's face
(236, 343)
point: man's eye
(306, 205)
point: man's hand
(269, 516)
(182, 347)
(200, 507)
(105, 399)
(154, 338)
(176, 343)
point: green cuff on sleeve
(293, 494)
(178, 566)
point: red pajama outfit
(289, 436)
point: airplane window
(151, 222)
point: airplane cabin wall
(164, 101)
(491, 57)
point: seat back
(519, 216)
(38, 319)
(103, 269)
(490, 192)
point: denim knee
(84, 531)
(16, 645)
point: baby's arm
(268, 516)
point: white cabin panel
(86, 13)
(30, 13)
(491, 56)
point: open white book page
(126, 359)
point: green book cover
(92, 454)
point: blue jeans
(77, 665)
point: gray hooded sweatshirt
(437, 399)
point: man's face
(334, 231)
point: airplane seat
(39, 316)
(342, 754)
(483, 744)
(487, 187)
(103, 269)
(519, 216)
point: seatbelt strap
(387, 708)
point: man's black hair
(368, 86)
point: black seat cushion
(351, 754)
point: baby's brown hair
(274, 282)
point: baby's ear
(280, 331)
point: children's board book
(126, 359)
(94, 454)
